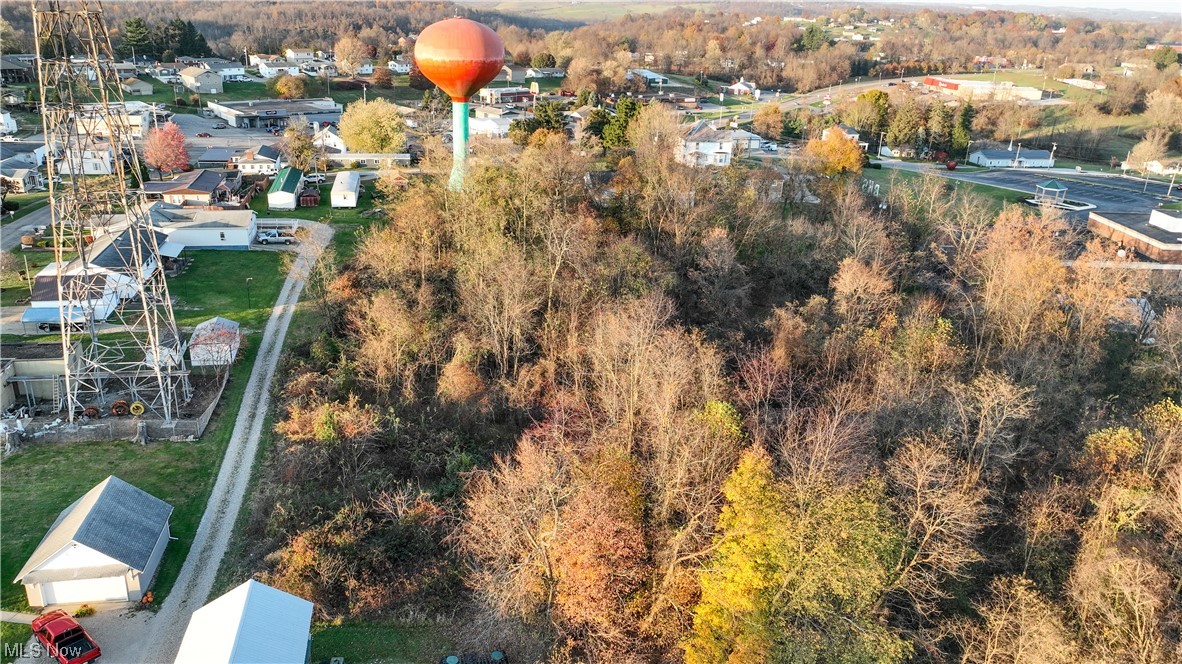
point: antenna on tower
(107, 264)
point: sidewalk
(15, 617)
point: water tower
(460, 56)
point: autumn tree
(769, 122)
(373, 126)
(287, 86)
(297, 146)
(382, 78)
(1164, 110)
(836, 155)
(1018, 624)
(164, 148)
(350, 53)
(1149, 149)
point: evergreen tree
(615, 134)
(813, 39)
(941, 122)
(905, 126)
(597, 120)
(137, 39)
(962, 131)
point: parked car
(64, 638)
(315, 178)
(220, 125)
(203, 134)
(267, 237)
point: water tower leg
(459, 143)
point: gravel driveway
(129, 636)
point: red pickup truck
(64, 639)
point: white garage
(105, 547)
(345, 188)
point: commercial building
(983, 90)
(275, 112)
(508, 95)
(1156, 234)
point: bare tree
(983, 420)
(500, 293)
(1017, 624)
(943, 508)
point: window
(222, 237)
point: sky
(1167, 8)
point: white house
(86, 298)
(7, 124)
(29, 153)
(228, 70)
(105, 547)
(197, 228)
(345, 189)
(276, 67)
(252, 624)
(330, 139)
(844, 131)
(743, 87)
(285, 190)
(1012, 158)
(492, 127)
(398, 67)
(214, 343)
(20, 180)
(299, 54)
(88, 162)
(545, 72)
(703, 145)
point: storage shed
(105, 547)
(345, 189)
(252, 624)
(214, 343)
(285, 189)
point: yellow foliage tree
(373, 126)
(835, 155)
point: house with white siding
(704, 145)
(105, 547)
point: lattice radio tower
(107, 254)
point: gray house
(105, 547)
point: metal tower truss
(107, 255)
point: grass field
(14, 287)
(887, 177)
(28, 203)
(215, 285)
(41, 480)
(374, 643)
(12, 634)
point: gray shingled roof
(114, 518)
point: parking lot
(230, 137)
(1109, 193)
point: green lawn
(373, 643)
(12, 635)
(215, 285)
(323, 212)
(28, 203)
(43, 479)
(889, 176)
(14, 287)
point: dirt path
(162, 634)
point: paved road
(10, 234)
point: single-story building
(1012, 158)
(285, 190)
(649, 77)
(199, 79)
(368, 159)
(7, 123)
(504, 95)
(91, 296)
(214, 343)
(844, 131)
(20, 180)
(199, 187)
(742, 87)
(257, 113)
(134, 86)
(345, 189)
(195, 228)
(1156, 234)
(545, 72)
(105, 547)
(272, 68)
(252, 624)
(492, 127)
